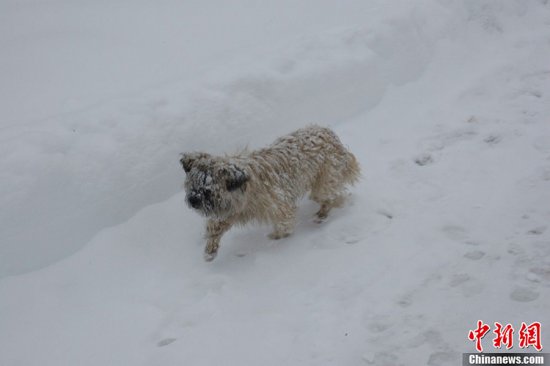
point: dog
(263, 186)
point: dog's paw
(321, 215)
(209, 257)
(319, 220)
(277, 235)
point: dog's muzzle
(194, 200)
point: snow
(444, 103)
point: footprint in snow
(516, 250)
(532, 276)
(455, 232)
(524, 294)
(353, 234)
(165, 342)
(447, 139)
(352, 239)
(467, 285)
(385, 213)
(537, 231)
(444, 358)
(405, 301)
(381, 358)
(539, 274)
(542, 144)
(458, 279)
(345, 235)
(424, 159)
(378, 326)
(492, 139)
(474, 255)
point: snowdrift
(445, 105)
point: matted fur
(264, 185)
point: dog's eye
(234, 184)
(207, 195)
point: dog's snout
(194, 200)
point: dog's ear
(187, 159)
(236, 177)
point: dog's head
(214, 186)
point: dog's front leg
(214, 231)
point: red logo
(503, 336)
(529, 335)
(478, 334)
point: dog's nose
(194, 201)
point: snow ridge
(444, 104)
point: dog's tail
(352, 171)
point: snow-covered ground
(445, 103)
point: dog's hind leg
(326, 206)
(284, 226)
(328, 192)
(329, 188)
